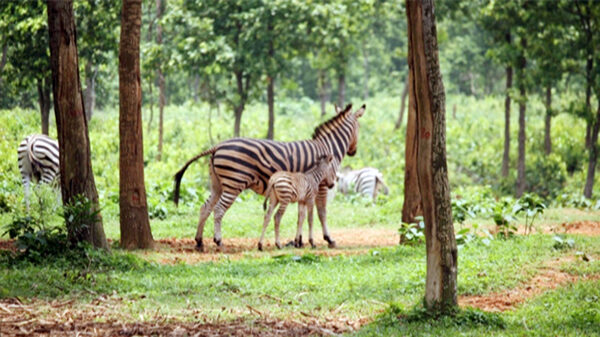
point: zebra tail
(180, 173)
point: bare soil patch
(586, 227)
(550, 277)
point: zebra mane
(314, 164)
(321, 129)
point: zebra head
(354, 130)
(340, 133)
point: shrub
(546, 175)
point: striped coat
(302, 187)
(240, 163)
(367, 181)
(38, 161)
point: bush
(546, 175)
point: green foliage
(561, 242)
(503, 215)
(412, 233)
(546, 175)
(532, 206)
(80, 215)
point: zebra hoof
(199, 246)
(298, 243)
(260, 246)
(289, 244)
(219, 242)
(331, 244)
(278, 245)
(312, 243)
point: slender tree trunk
(589, 181)
(135, 225)
(161, 83)
(506, 155)
(521, 183)
(341, 88)
(366, 66)
(270, 103)
(588, 99)
(151, 101)
(238, 120)
(196, 87)
(90, 89)
(454, 111)
(548, 121)
(76, 175)
(238, 109)
(402, 105)
(324, 91)
(427, 93)
(43, 86)
(3, 60)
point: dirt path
(549, 277)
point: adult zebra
(367, 181)
(241, 163)
(38, 160)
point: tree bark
(270, 103)
(429, 101)
(506, 155)
(588, 97)
(411, 206)
(238, 108)
(90, 89)
(161, 83)
(402, 106)
(521, 183)
(548, 121)
(76, 175)
(341, 88)
(43, 86)
(135, 225)
(324, 94)
(589, 181)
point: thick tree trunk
(90, 89)
(506, 155)
(412, 196)
(548, 121)
(135, 225)
(270, 103)
(521, 183)
(341, 88)
(76, 175)
(402, 106)
(427, 93)
(161, 83)
(43, 86)
(589, 181)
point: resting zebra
(241, 163)
(286, 187)
(38, 160)
(367, 181)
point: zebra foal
(287, 187)
(367, 181)
(38, 161)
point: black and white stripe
(367, 181)
(38, 161)
(241, 163)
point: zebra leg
(26, 185)
(272, 204)
(278, 217)
(226, 200)
(322, 212)
(301, 215)
(310, 206)
(207, 208)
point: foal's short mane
(315, 163)
(321, 129)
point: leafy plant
(532, 205)
(503, 216)
(412, 233)
(561, 242)
(80, 214)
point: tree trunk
(588, 97)
(589, 181)
(270, 103)
(506, 155)
(238, 120)
(135, 226)
(3, 60)
(90, 89)
(454, 111)
(161, 83)
(521, 183)
(43, 87)
(341, 88)
(151, 101)
(402, 105)
(427, 93)
(366, 66)
(76, 175)
(324, 93)
(238, 109)
(196, 87)
(548, 121)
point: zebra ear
(360, 111)
(338, 110)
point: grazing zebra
(286, 187)
(367, 181)
(38, 160)
(241, 163)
